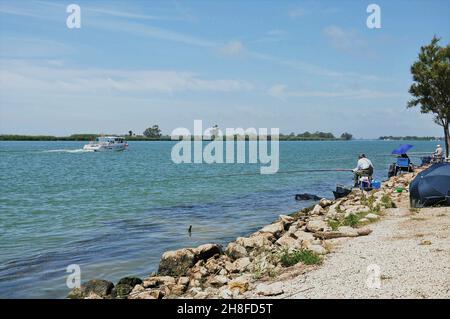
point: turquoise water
(115, 213)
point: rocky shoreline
(289, 247)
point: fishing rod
(255, 174)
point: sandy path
(412, 251)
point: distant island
(410, 138)
(154, 134)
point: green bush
(352, 220)
(304, 256)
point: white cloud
(280, 91)
(20, 76)
(296, 13)
(277, 90)
(347, 40)
(233, 48)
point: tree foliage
(152, 132)
(431, 86)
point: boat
(106, 143)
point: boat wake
(68, 151)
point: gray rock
(372, 216)
(235, 250)
(177, 262)
(316, 225)
(206, 251)
(274, 289)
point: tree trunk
(447, 139)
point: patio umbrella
(431, 186)
(402, 149)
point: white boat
(106, 143)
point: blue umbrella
(402, 149)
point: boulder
(343, 231)
(317, 249)
(218, 281)
(325, 202)
(276, 229)
(241, 283)
(286, 220)
(333, 210)
(347, 231)
(121, 291)
(274, 289)
(178, 290)
(206, 251)
(316, 225)
(256, 241)
(184, 281)
(317, 210)
(372, 216)
(235, 250)
(225, 293)
(157, 281)
(364, 231)
(301, 236)
(306, 196)
(177, 262)
(99, 287)
(241, 264)
(137, 289)
(287, 241)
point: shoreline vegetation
(278, 258)
(318, 136)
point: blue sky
(295, 65)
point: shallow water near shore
(115, 213)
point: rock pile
(208, 271)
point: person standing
(364, 167)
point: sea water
(114, 213)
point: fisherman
(437, 155)
(363, 168)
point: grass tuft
(304, 256)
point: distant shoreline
(90, 137)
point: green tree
(152, 132)
(431, 87)
(130, 133)
(346, 136)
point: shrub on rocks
(121, 291)
(131, 281)
(304, 256)
(100, 287)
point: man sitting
(363, 168)
(437, 155)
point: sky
(293, 65)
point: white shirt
(363, 163)
(438, 151)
